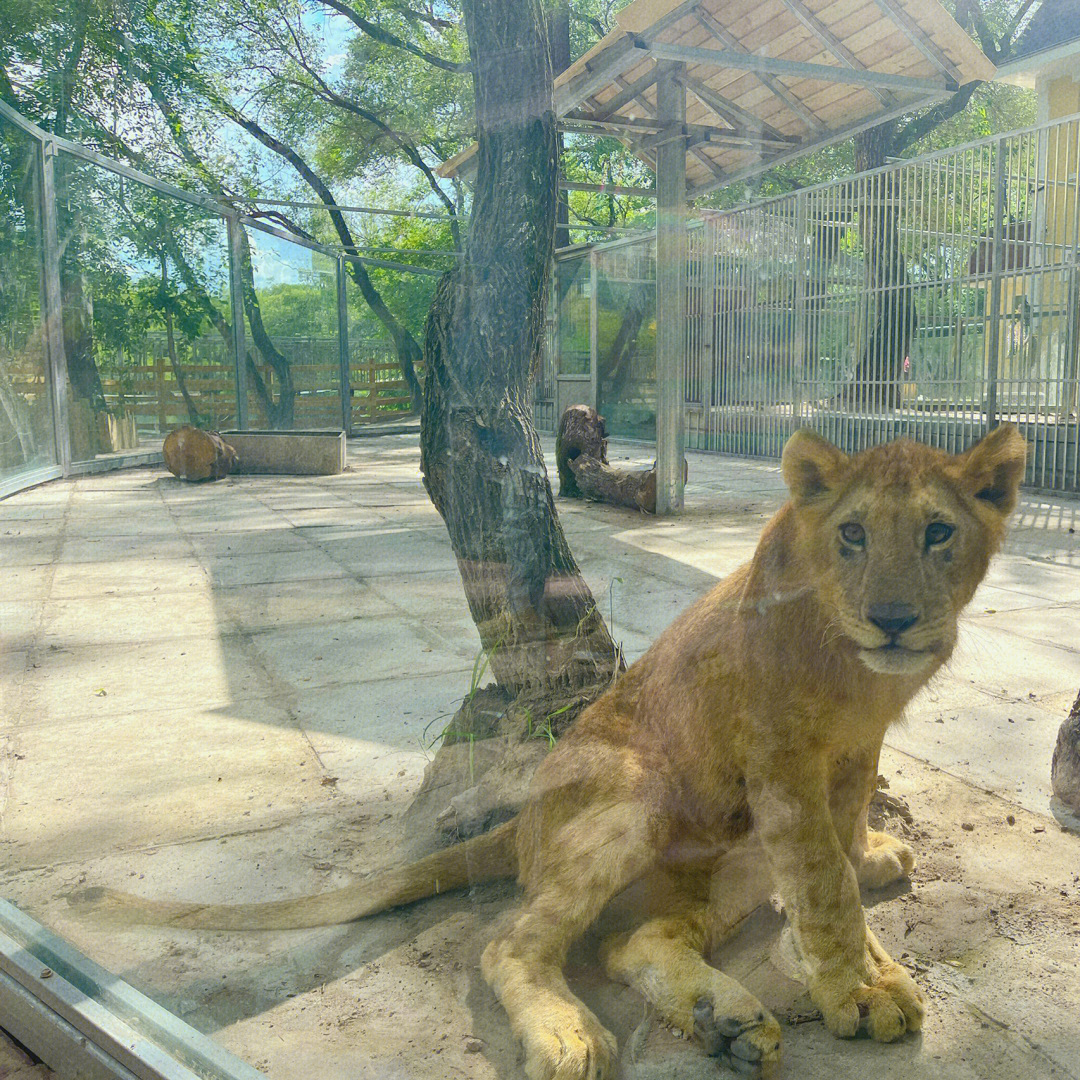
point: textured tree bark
(546, 644)
(1065, 764)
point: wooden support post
(670, 292)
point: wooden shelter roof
(766, 80)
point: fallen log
(193, 454)
(581, 433)
(584, 470)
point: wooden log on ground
(193, 454)
(597, 480)
(1065, 764)
(584, 470)
(581, 432)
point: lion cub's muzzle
(898, 652)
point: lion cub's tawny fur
(736, 757)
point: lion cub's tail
(484, 858)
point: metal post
(670, 292)
(594, 326)
(54, 305)
(236, 297)
(799, 344)
(343, 348)
(993, 336)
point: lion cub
(735, 758)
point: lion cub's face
(901, 535)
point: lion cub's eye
(937, 532)
(853, 533)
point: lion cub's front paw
(888, 1002)
(884, 860)
(566, 1043)
(750, 1045)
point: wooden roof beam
(598, 72)
(835, 135)
(833, 44)
(629, 92)
(768, 65)
(921, 40)
(587, 124)
(733, 114)
(775, 87)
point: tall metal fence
(931, 299)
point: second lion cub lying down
(735, 758)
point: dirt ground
(223, 693)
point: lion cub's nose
(894, 618)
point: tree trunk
(546, 644)
(887, 322)
(280, 414)
(170, 344)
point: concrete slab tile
(358, 651)
(153, 616)
(88, 786)
(27, 551)
(1005, 747)
(1022, 575)
(107, 549)
(988, 657)
(1057, 624)
(283, 604)
(19, 620)
(110, 680)
(27, 583)
(271, 566)
(134, 576)
(246, 543)
(393, 550)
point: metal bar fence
(930, 299)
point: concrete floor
(231, 691)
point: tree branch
(384, 37)
(922, 125)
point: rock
(1065, 764)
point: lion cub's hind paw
(885, 861)
(885, 1010)
(750, 1047)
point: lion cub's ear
(812, 466)
(993, 468)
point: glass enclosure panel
(27, 442)
(573, 281)
(383, 385)
(626, 339)
(145, 285)
(290, 302)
